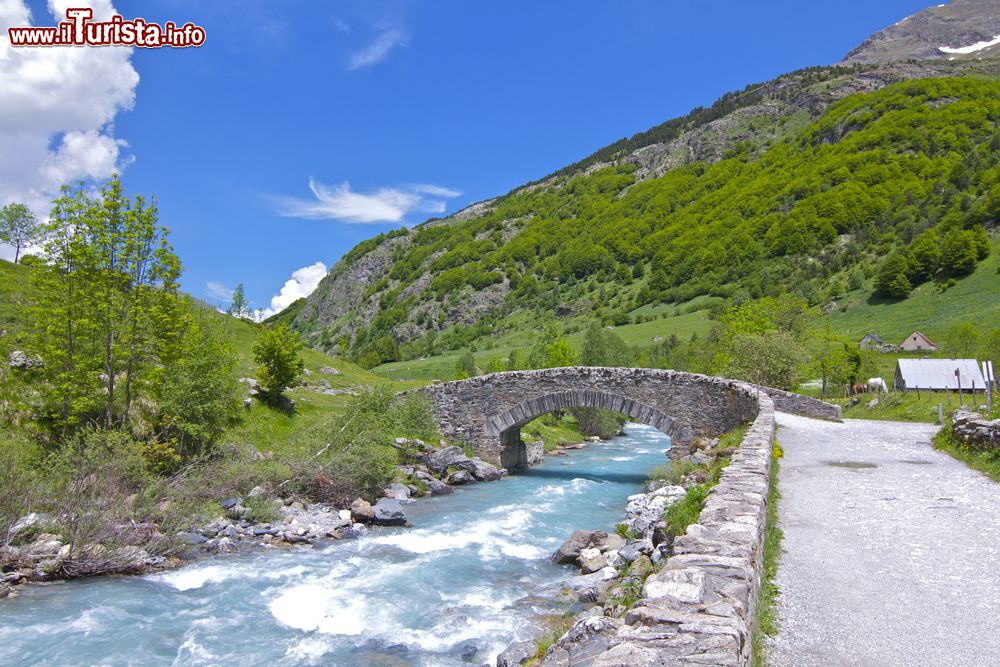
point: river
(468, 579)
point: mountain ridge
(398, 288)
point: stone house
(875, 343)
(917, 342)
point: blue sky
(418, 105)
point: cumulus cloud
(57, 108)
(340, 202)
(378, 50)
(219, 292)
(302, 283)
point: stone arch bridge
(488, 411)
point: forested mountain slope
(804, 184)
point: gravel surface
(891, 553)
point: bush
(360, 458)
(261, 509)
(673, 473)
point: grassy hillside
(974, 299)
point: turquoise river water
(470, 577)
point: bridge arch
(507, 425)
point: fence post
(958, 378)
(940, 414)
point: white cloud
(340, 202)
(378, 50)
(435, 190)
(219, 292)
(57, 108)
(302, 283)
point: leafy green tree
(770, 359)
(277, 351)
(829, 359)
(19, 228)
(497, 365)
(106, 305)
(925, 256)
(962, 339)
(856, 280)
(604, 347)
(465, 367)
(892, 279)
(197, 392)
(240, 307)
(550, 351)
(959, 252)
(517, 361)
(595, 346)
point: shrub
(261, 509)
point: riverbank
(40, 547)
(470, 576)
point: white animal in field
(876, 385)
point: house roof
(873, 336)
(940, 373)
(917, 333)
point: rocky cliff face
(958, 30)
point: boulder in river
(633, 549)
(591, 560)
(398, 491)
(439, 488)
(571, 548)
(388, 512)
(361, 511)
(460, 477)
(481, 470)
(449, 457)
(516, 654)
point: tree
(926, 255)
(516, 361)
(962, 339)
(277, 351)
(197, 390)
(550, 351)
(829, 359)
(106, 305)
(770, 359)
(465, 367)
(604, 347)
(892, 279)
(240, 307)
(595, 346)
(959, 252)
(18, 227)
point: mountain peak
(960, 29)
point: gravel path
(891, 551)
